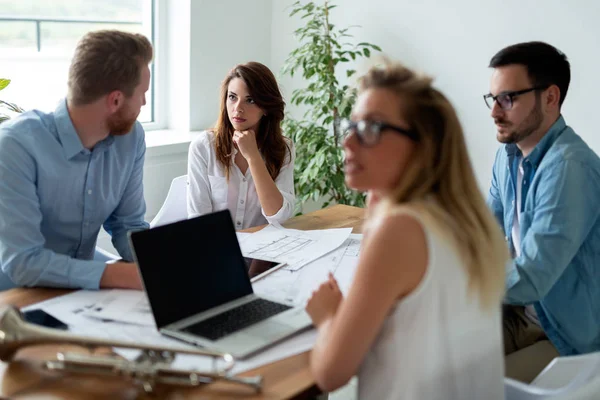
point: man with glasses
(545, 192)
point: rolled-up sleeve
(566, 209)
(285, 184)
(23, 257)
(128, 216)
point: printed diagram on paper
(296, 286)
(295, 248)
(277, 249)
(129, 306)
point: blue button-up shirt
(558, 270)
(55, 195)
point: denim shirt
(55, 195)
(558, 270)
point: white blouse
(209, 191)
(437, 343)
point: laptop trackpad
(269, 330)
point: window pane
(63, 37)
(96, 9)
(16, 35)
(39, 79)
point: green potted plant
(5, 104)
(323, 50)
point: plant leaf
(324, 100)
(4, 83)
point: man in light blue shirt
(64, 175)
(545, 193)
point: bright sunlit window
(38, 37)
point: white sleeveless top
(436, 343)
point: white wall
(454, 41)
(224, 33)
(204, 39)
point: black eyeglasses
(505, 100)
(369, 132)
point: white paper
(71, 309)
(241, 236)
(294, 247)
(297, 286)
(128, 306)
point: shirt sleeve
(494, 201)
(566, 208)
(23, 257)
(198, 193)
(130, 212)
(285, 184)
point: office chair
(570, 377)
(173, 209)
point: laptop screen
(190, 266)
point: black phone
(42, 318)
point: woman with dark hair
(244, 163)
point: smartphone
(258, 269)
(42, 318)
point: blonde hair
(440, 170)
(105, 61)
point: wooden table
(24, 378)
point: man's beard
(531, 124)
(120, 123)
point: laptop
(199, 290)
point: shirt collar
(66, 131)
(68, 136)
(547, 141)
(535, 157)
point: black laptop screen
(190, 266)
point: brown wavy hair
(264, 90)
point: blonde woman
(422, 318)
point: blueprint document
(130, 306)
(294, 247)
(296, 286)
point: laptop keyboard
(236, 319)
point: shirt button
(241, 201)
(90, 191)
(239, 223)
(524, 182)
(244, 180)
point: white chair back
(565, 378)
(174, 208)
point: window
(38, 37)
